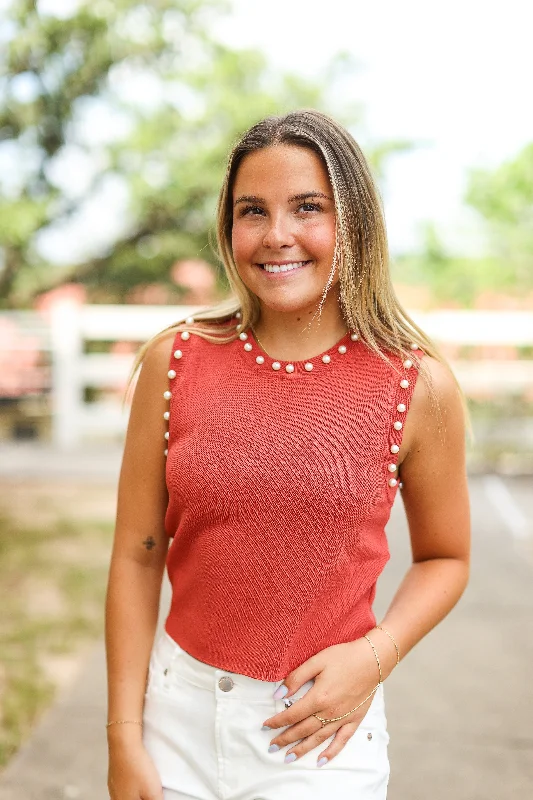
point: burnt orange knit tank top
(281, 478)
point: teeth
(283, 267)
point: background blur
(115, 121)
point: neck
(303, 334)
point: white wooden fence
(75, 420)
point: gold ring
(321, 719)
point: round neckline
(251, 350)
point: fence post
(67, 391)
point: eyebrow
(251, 198)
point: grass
(53, 577)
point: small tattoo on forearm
(149, 543)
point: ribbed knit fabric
(278, 498)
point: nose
(279, 232)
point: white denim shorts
(202, 728)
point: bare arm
(139, 550)
(435, 497)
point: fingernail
(290, 758)
(322, 761)
(273, 748)
(280, 692)
(266, 728)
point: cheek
(321, 240)
(243, 243)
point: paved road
(460, 707)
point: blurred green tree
(125, 94)
(504, 198)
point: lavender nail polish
(290, 758)
(266, 728)
(322, 761)
(273, 748)
(280, 692)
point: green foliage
(504, 198)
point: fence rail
(71, 326)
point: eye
(250, 211)
(309, 207)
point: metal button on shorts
(225, 683)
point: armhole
(404, 386)
(176, 354)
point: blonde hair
(367, 298)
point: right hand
(132, 774)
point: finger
(294, 734)
(342, 736)
(296, 679)
(318, 738)
(314, 700)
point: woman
(289, 416)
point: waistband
(171, 664)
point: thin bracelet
(393, 640)
(325, 721)
(124, 722)
(377, 658)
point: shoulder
(437, 412)
(158, 353)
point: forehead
(281, 169)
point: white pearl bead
(177, 354)
(414, 346)
(392, 467)
(238, 315)
(408, 363)
(171, 374)
(308, 366)
(185, 335)
(239, 327)
(167, 395)
(243, 336)
(165, 452)
(404, 384)
(166, 415)
(394, 448)
(190, 320)
(289, 368)
(342, 349)
(392, 482)
(247, 347)
(400, 485)
(260, 360)
(167, 436)
(276, 365)
(401, 407)
(398, 426)
(326, 359)
(354, 337)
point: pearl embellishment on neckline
(171, 374)
(185, 335)
(243, 336)
(393, 482)
(308, 366)
(404, 384)
(276, 365)
(414, 346)
(408, 363)
(189, 320)
(398, 426)
(394, 449)
(247, 347)
(167, 395)
(326, 359)
(259, 360)
(177, 354)
(401, 407)
(392, 468)
(342, 349)
(166, 415)
(289, 368)
(354, 337)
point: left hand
(344, 674)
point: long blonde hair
(368, 301)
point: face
(283, 234)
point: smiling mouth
(283, 267)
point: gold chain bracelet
(124, 722)
(325, 721)
(376, 657)
(393, 640)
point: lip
(278, 275)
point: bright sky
(456, 77)
(453, 77)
